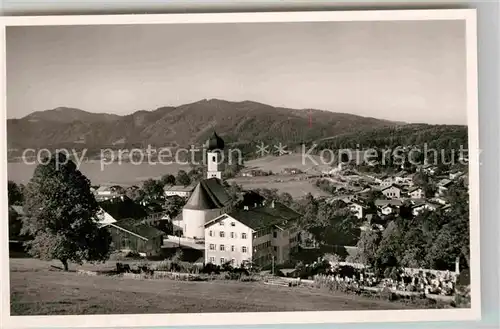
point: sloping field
(296, 188)
(37, 291)
(277, 163)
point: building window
(243, 249)
(233, 224)
(233, 261)
(275, 234)
(243, 235)
(211, 233)
(212, 246)
(275, 248)
(232, 248)
(221, 233)
(222, 261)
(221, 223)
(232, 234)
(222, 247)
(212, 260)
(125, 243)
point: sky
(412, 71)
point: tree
(182, 178)
(60, 215)
(15, 193)
(168, 179)
(235, 193)
(15, 225)
(173, 205)
(153, 190)
(367, 247)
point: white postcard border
(143, 320)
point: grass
(37, 290)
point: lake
(124, 174)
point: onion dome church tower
(215, 145)
(209, 198)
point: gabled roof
(208, 194)
(133, 226)
(414, 188)
(260, 217)
(123, 208)
(179, 188)
(444, 182)
(392, 185)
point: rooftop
(208, 194)
(138, 228)
(123, 208)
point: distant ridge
(237, 122)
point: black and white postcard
(251, 168)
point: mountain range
(237, 122)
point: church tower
(215, 146)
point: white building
(179, 190)
(358, 209)
(416, 193)
(392, 192)
(258, 236)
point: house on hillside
(416, 193)
(387, 207)
(418, 208)
(252, 235)
(129, 235)
(117, 209)
(358, 208)
(386, 181)
(443, 186)
(392, 192)
(179, 190)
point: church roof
(215, 143)
(208, 194)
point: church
(209, 198)
(257, 231)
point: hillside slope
(237, 122)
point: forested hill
(435, 136)
(237, 122)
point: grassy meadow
(38, 289)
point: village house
(178, 190)
(387, 207)
(117, 209)
(386, 181)
(443, 186)
(358, 208)
(130, 235)
(418, 208)
(252, 235)
(416, 193)
(392, 192)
